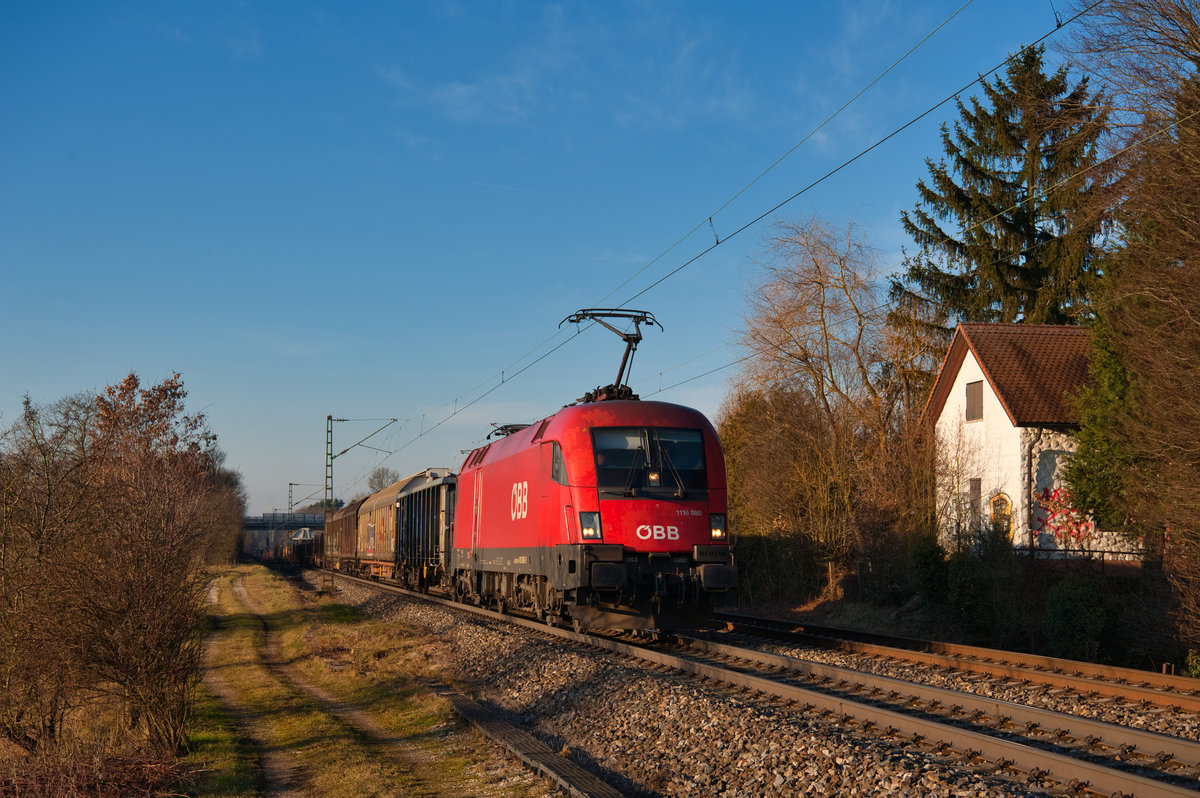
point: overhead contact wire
(782, 158)
(731, 199)
(748, 224)
(847, 162)
(1035, 196)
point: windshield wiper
(635, 467)
(666, 458)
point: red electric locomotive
(609, 513)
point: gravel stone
(651, 732)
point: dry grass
(374, 668)
(69, 773)
(221, 762)
(324, 757)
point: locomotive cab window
(649, 461)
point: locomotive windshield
(649, 461)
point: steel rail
(1137, 676)
(1068, 770)
(1150, 744)
(1020, 671)
(1065, 769)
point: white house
(1001, 407)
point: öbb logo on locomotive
(657, 532)
(519, 505)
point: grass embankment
(367, 670)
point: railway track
(1022, 744)
(1125, 684)
(1071, 749)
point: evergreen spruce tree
(1101, 470)
(1004, 224)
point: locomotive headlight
(654, 478)
(589, 526)
(716, 522)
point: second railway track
(1018, 743)
(1159, 689)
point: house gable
(1033, 369)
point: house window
(1001, 514)
(974, 400)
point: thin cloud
(686, 74)
(505, 99)
(411, 140)
(512, 92)
(245, 43)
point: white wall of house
(988, 449)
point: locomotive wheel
(577, 625)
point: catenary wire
(848, 162)
(720, 208)
(505, 378)
(981, 223)
(794, 147)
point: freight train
(610, 513)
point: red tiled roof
(1034, 369)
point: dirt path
(279, 769)
(313, 742)
(410, 759)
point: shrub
(927, 569)
(1076, 617)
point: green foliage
(1001, 222)
(1193, 663)
(224, 763)
(1076, 618)
(1098, 473)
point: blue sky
(371, 210)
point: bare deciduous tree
(1143, 49)
(1149, 53)
(382, 477)
(107, 507)
(823, 453)
(46, 501)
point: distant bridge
(263, 532)
(284, 521)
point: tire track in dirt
(279, 770)
(407, 757)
